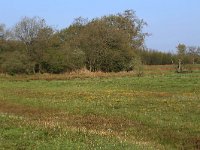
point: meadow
(160, 110)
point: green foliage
(16, 63)
(102, 44)
(106, 48)
(153, 57)
(181, 54)
(181, 50)
(105, 44)
(63, 60)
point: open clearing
(150, 112)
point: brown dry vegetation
(84, 73)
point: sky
(170, 22)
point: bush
(16, 63)
(63, 61)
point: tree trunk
(179, 66)
(39, 68)
(193, 61)
(90, 67)
(34, 70)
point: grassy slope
(157, 111)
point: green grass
(14, 136)
(151, 112)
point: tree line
(110, 43)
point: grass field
(157, 111)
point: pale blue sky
(169, 21)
